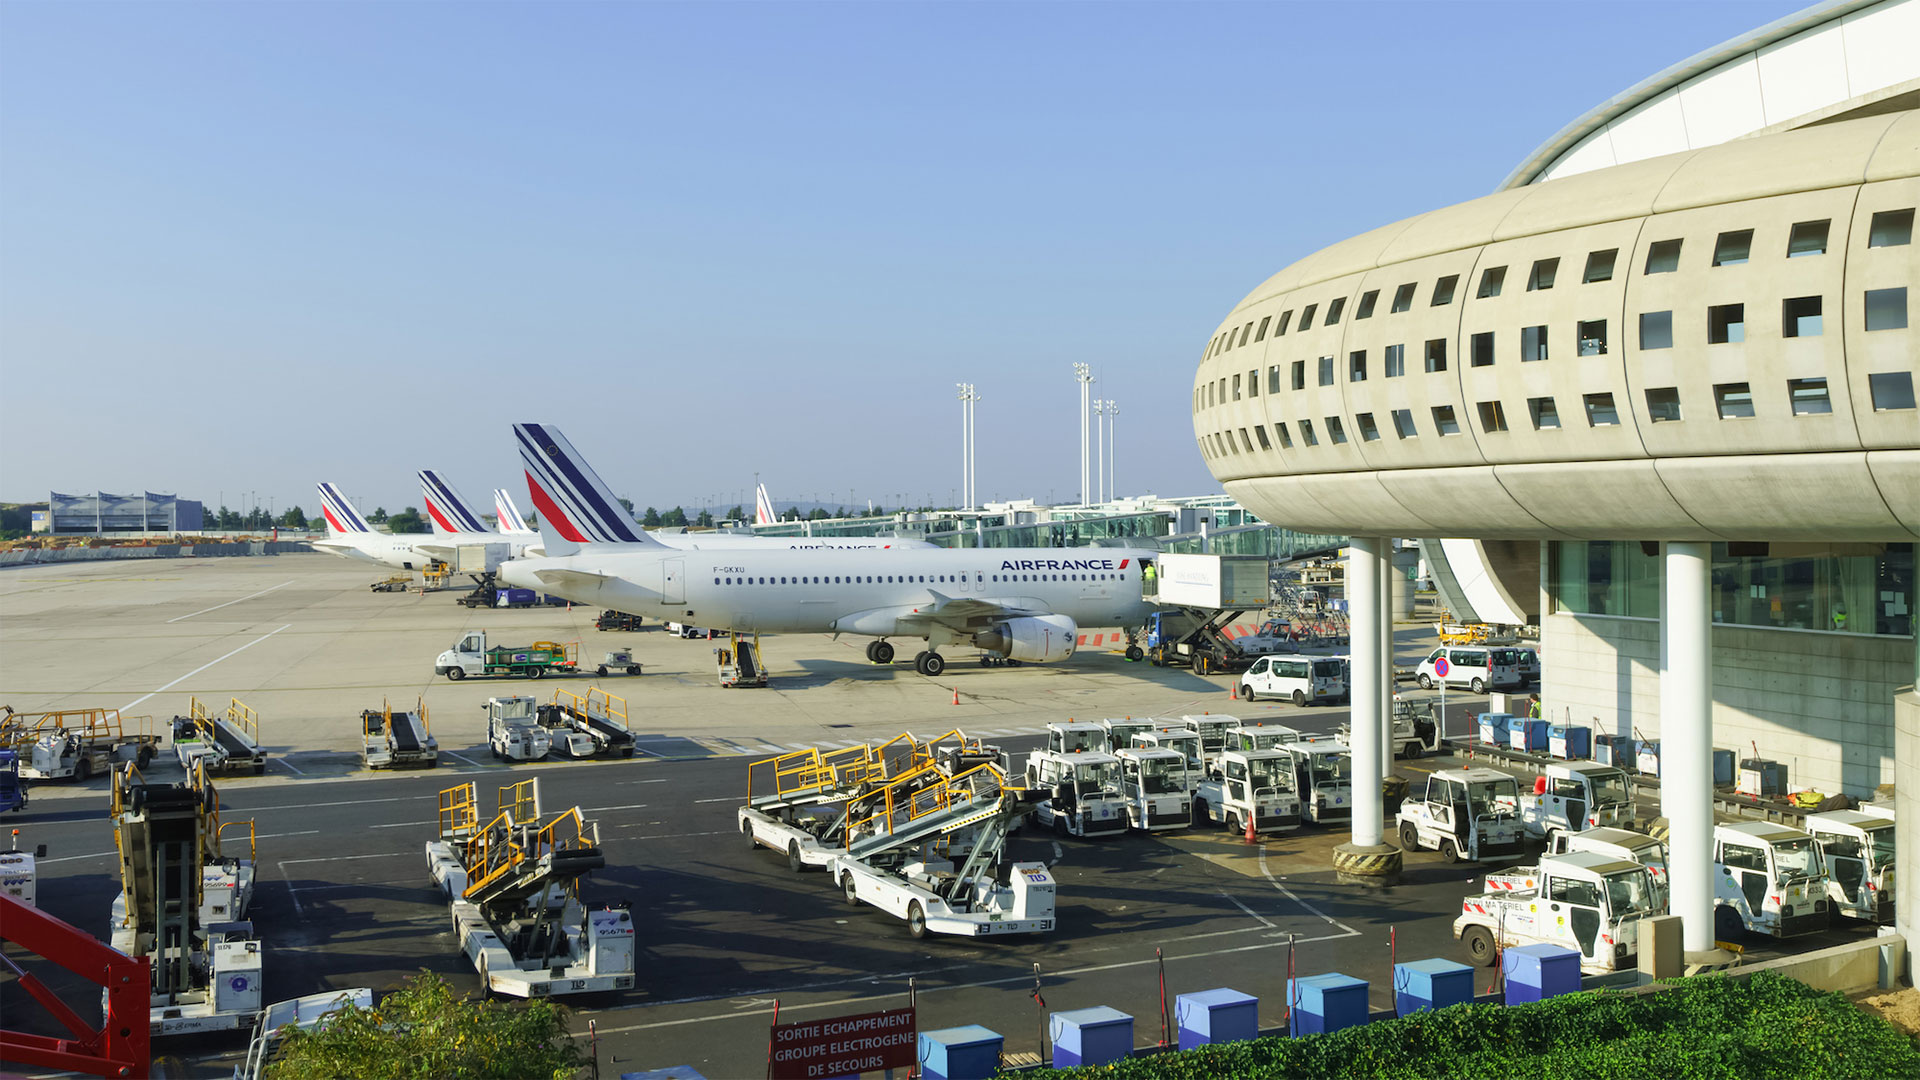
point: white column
(1386, 656)
(1686, 739)
(1363, 612)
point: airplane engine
(1039, 639)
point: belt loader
(1465, 814)
(183, 903)
(1586, 901)
(901, 842)
(397, 740)
(76, 743)
(514, 888)
(226, 741)
(797, 803)
(593, 724)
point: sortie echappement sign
(844, 1045)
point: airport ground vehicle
(1260, 736)
(396, 583)
(797, 803)
(618, 660)
(184, 902)
(513, 729)
(514, 887)
(1212, 729)
(1303, 680)
(616, 620)
(1211, 593)
(1323, 775)
(1158, 786)
(1465, 814)
(1859, 853)
(1573, 796)
(1077, 737)
(1082, 789)
(1584, 901)
(1175, 738)
(472, 656)
(397, 740)
(1477, 669)
(593, 724)
(302, 1013)
(76, 743)
(1120, 733)
(1243, 784)
(739, 662)
(1414, 730)
(13, 793)
(1768, 879)
(1620, 844)
(226, 741)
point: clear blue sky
(252, 246)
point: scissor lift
(514, 888)
(226, 741)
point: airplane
(507, 514)
(1025, 604)
(349, 536)
(762, 506)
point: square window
(1280, 432)
(1334, 309)
(1299, 374)
(1306, 317)
(1809, 397)
(1887, 309)
(1326, 371)
(1493, 419)
(1891, 228)
(1285, 318)
(1592, 336)
(1335, 431)
(1543, 274)
(1357, 366)
(1726, 324)
(1443, 290)
(1600, 410)
(1491, 279)
(1367, 300)
(1800, 316)
(1663, 257)
(1656, 330)
(1261, 334)
(1436, 354)
(1533, 343)
(1443, 420)
(1403, 423)
(1402, 299)
(1253, 383)
(1734, 400)
(1306, 433)
(1599, 266)
(1733, 248)
(1663, 404)
(1273, 379)
(1482, 350)
(1807, 238)
(1261, 434)
(1891, 390)
(1369, 431)
(1396, 361)
(1545, 416)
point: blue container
(1615, 750)
(1096, 1036)
(1538, 972)
(961, 1053)
(1216, 1016)
(1327, 1003)
(1430, 984)
(1530, 735)
(1493, 727)
(1723, 766)
(1569, 741)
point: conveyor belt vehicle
(397, 739)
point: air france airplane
(1019, 603)
(351, 537)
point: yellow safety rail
(611, 706)
(459, 812)
(521, 802)
(420, 710)
(915, 795)
(239, 716)
(19, 729)
(253, 847)
(570, 701)
(503, 847)
(900, 755)
(569, 651)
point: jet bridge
(513, 885)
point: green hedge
(1707, 1026)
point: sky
(245, 247)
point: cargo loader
(397, 740)
(226, 741)
(593, 724)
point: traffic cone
(956, 695)
(1251, 837)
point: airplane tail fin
(575, 506)
(762, 506)
(450, 512)
(342, 518)
(508, 514)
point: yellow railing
(459, 812)
(18, 729)
(521, 802)
(916, 794)
(503, 846)
(611, 706)
(253, 847)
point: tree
(651, 519)
(675, 516)
(626, 502)
(294, 518)
(736, 514)
(408, 521)
(379, 515)
(422, 1030)
(705, 520)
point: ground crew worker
(1533, 706)
(1840, 617)
(1148, 574)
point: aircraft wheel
(1409, 837)
(883, 652)
(1134, 653)
(1479, 945)
(930, 663)
(456, 674)
(916, 920)
(871, 645)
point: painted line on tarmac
(1291, 895)
(724, 798)
(202, 668)
(343, 802)
(294, 893)
(1262, 919)
(596, 809)
(230, 603)
(466, 759)
(289, 766)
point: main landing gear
(880, 652)
(929, 662)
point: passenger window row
(909, 579)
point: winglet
(450, 512)
(762, 506)
(575, 506)
(508, 514)
(342, 518)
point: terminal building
(101, 514)
(1656, 395)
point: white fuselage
(845, 591)
(417, 551)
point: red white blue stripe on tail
(508, 514)
(449, 511)
(340, 514)
(569, 496)
(762, 506)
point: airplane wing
(575, 579)
(966, 613)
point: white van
(1479, 670)
(1302, 679)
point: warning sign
(844, 1045)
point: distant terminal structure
(101, 513)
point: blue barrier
(1216, 1016)
(960, 1053)
(1430, 984)
(1538, 972)
(1096, 1036)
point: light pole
(1099, 449)
(973, 405)
(1083, 374)
(1113, 443)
